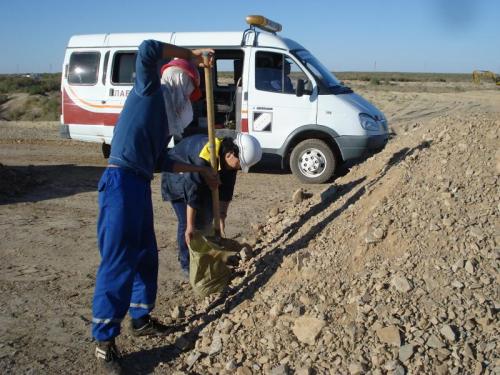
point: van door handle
(264, 108)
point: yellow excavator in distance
(477, 75)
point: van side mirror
(299, 91)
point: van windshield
(321, 73)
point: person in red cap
(127, 277)
(180, 81)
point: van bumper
(64, 131)
(356, 146)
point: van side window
(123, 71)
(277, 73)
(83, 68)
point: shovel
(208, 271)
(216, 240)
(209, 93)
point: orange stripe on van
(74, 114)
(90, 104)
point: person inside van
(127, 277)
(282, 81)
(272, 73)
(189, 194)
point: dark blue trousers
(127, 276)
(180, 209)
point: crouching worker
(127, 275)
(189, 194)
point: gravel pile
(393, 269)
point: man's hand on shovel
(211, 177)
(198, 57)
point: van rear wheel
(106, 150)
(312, 161)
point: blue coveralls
(127, 276)
(190, 189)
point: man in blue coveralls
(127, 276)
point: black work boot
(108, 358)
(147, 326)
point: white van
(264, 85)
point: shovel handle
(209, 94)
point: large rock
(356, 368)
(307, 329)
(298, 196)
(389, 335)
(434, 342)
(448, 333)
(402, 284)
(406, 352)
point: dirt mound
(392, 269)
(26, 107)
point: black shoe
(151, 327)
(108, 358)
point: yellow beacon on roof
(264, 23)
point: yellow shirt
(205, 151)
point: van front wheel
(312, 161)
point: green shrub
(36, 90)
(374, 81)
(40, 84)
(3, 98)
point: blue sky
(365, 35)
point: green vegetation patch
(402, 77)
(40, 84)
(43, 103)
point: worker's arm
(195, 55)
(226, 189)
(224, 206)
(169, 164)
(150, 53)
(190, 221)
(209, 175)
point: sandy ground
(48, 253)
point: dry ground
(48, 254)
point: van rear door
(274, 109)
(83, 91)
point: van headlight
(368, 123)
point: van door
(83, 91)
(119, 80)
(274, 109)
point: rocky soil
(393, 268)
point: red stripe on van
(244, 125)
(73, 114)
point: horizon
(428, 36)
(335, 72)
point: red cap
(191, 71)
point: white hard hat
(250, 150)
